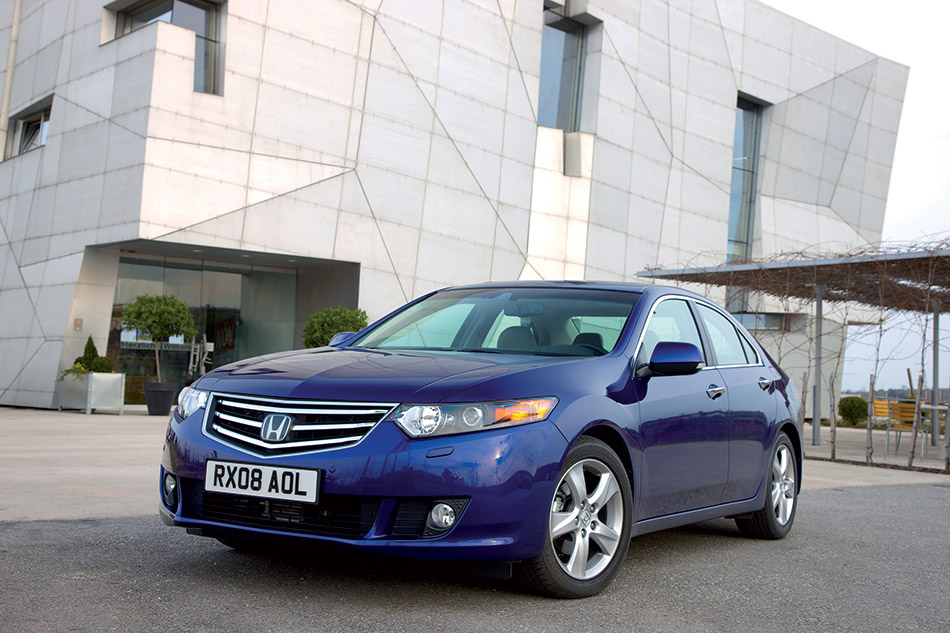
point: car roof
(622, 286)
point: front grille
(238, 420)
(338, 516)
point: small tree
(159, 318)
(853, 410)
(89, 361)
(322, 325)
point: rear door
(752, 403)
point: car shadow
(332, 567)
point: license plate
(269, 482)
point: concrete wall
(402, 137)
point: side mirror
(339, 338)
(674, 359)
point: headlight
(428, 420)
(190, 400)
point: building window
(562, 73)
(745, 154)
(196, 15)
(28, 128)
(245, 312)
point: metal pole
(816, 402)
(869, 446)
(934, 414)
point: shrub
(89, 354)
(322, 325)
(853, 410)
(89, 361)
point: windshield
(537, 321)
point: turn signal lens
(524, 411)
(429, 420)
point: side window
(750, 356)
(725, 340)
(671, 321)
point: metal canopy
(913, 279)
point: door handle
(764, 383)
(714, 391)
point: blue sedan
(536, 424)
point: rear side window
(727, 344)
(751, 357)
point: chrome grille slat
(283, 445)
(304, 411)
(333, 427)
(234, 418)
(317, 425)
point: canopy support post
(816, 399)
(934, 400)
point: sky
(913, 33)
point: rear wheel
(775, 519)
(588, 525)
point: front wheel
(775, 519)
(588, 525)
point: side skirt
(703, 514)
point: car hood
(374, 376)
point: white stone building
(262, 160)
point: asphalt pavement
(82, 549)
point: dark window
(562, 69)
(29, 128)
(764, 321)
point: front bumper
(377, 494)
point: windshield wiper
(481, 350)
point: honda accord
(540, 425)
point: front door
(684, 423)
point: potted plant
(90, 384)
(157, 318)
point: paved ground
(73, 466)
(868, 553)
(851, 445)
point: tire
(775, 518)
(588, 525)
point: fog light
(170, 491)
(442, 516)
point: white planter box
(94, 390)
